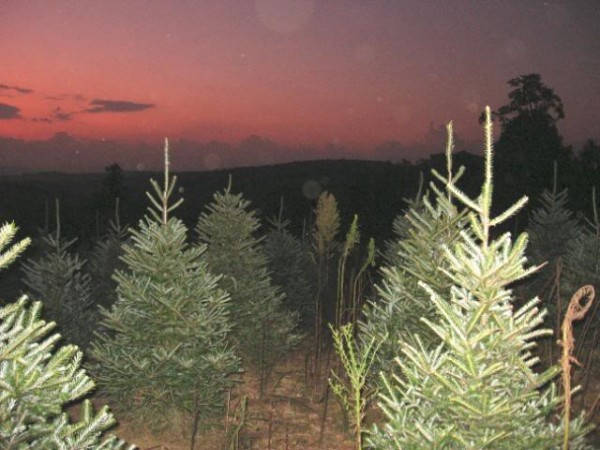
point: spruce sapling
(57, 279)
(165, 351)
(477, 389)
(38, 380)
(264, 330)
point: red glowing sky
(352, 72)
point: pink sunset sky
(353, 73)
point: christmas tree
(38, 380)
(57, 279)
(265, 331)
(291, 269)
(582, 255)
(104, 260)
(477, 389)
(553, 231)
(414, 257)
(164, 352)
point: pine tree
(476, 389)
(38, 380)
(265, 331)
(57, 279)
(164, 351)
(414, 257)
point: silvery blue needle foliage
(477, 389)
(431, 221)
(264, 330)
(164, 353)
(58, 279)
(38, 379)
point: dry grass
(284, 419)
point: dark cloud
(9, 112)
(18, 89)
(99, 106)
(61, 115)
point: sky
(349, 74)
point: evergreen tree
(264, 329)
(414, 257)
(164, 351)
(291, 269)
(552, 232)
(530, 141)
(57, 279)
(104, 260)
(401, 227)
(582, 256)
(476, 389)
(37, 380)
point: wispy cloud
(61, 115)
(58, 115)
(20, 90)
(9, 112)
(63, 97)
(100, 106)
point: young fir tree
(164, 351)
(104, 261)
(265, 331)
(38, 380)
(401, 226)
(415, 257)
(552, 232)
(476, 389)
(292, 269)
(57, 279)
(582, 257)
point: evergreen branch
(515, 208)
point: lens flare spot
(311, 189)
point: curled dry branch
(579, 305)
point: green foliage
(352, 390)
(264, 330)
(552, 231)
(292, 269)
(415, 256)
(164, 351)
(38, 380)
(343, 302)
(7, 234)
(552, 227)
(582, 256)
(57, 279)
(477, 388)
(104, 260)
(401, 228)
